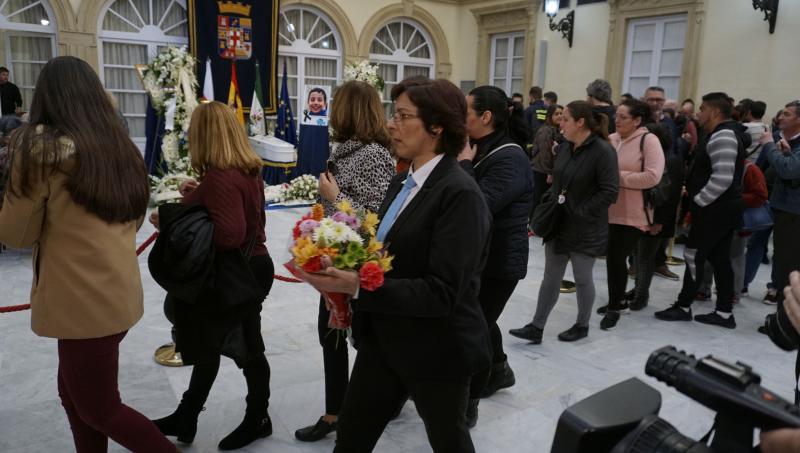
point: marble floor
(550, 377)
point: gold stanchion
(165, 355)
(671, 260)
(567, 287)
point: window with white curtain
(654, 55)
(506, 69)
(310, 47)
(401, 48)
(132, 33)
(27, 33)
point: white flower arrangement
(170, 81)
(303, 188)
(332, 232)
(364, 71)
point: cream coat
(86, 281)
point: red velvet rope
(139, 251)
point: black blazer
(426, 320)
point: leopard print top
(363, 172)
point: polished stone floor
(550, 377)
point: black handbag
(545, 216)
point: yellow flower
(345, 207)
(386, 262)
(374, 246)
(370, 222)
(304, 249)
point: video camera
(624, 418)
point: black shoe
(574, 333)
(630, 295)
(701, 296)
(567, 287)
(316, 431)
(610, 320)
(251, 429)
(501, 377)
(763, 329)
(638, 305)
(623, 310)
(715, 319)
(529, 332)
(674, 313)
(472, 412)
(182, 423)
(771, 298)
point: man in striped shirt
(714, 185)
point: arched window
(402, 48)
(310, 47)
(132, 33)
(27, 34)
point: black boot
(472, 412)
(182, 423)
(253, 427)
(501, 377)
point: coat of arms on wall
(234, 31)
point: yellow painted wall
(570, 70)
(740, 57)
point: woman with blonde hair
(231, 191)
(359, 171)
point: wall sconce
(770, 8)
(567, 24)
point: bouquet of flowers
(348, 239)
(364, 72)
(303, 188)
(164, 189)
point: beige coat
(86, 281)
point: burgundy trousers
(87, 385)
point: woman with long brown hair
(77, 194)
(359, 171)
(231, 190)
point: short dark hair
(758, 109)
(655, 88)
(795, 104)
(720, 101)
(318, 90)
(4, 69)
(639, 109)
(551, 96)
(516, 95)
(439, 103)
(535, 92)
(627, 96)
(689, 100)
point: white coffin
(273, 149)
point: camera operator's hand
(791, 303)
(780, 441)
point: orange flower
(317, 212)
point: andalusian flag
(256, 111)
(234, 99)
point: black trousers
(375, 392)
(647, 250)
(540, 186)
(493, 296)
(256, 370)
(709, 240)
(786, 248)
(622, 240)
(335, 361)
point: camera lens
(656, 435)
(781, 331)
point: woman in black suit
(422, 333)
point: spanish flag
(234, 99)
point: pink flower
(348, 220)
(307, 227)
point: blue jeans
(756, 247)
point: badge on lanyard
(562, 198)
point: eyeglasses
(400, 117)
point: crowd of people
(590, 179)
